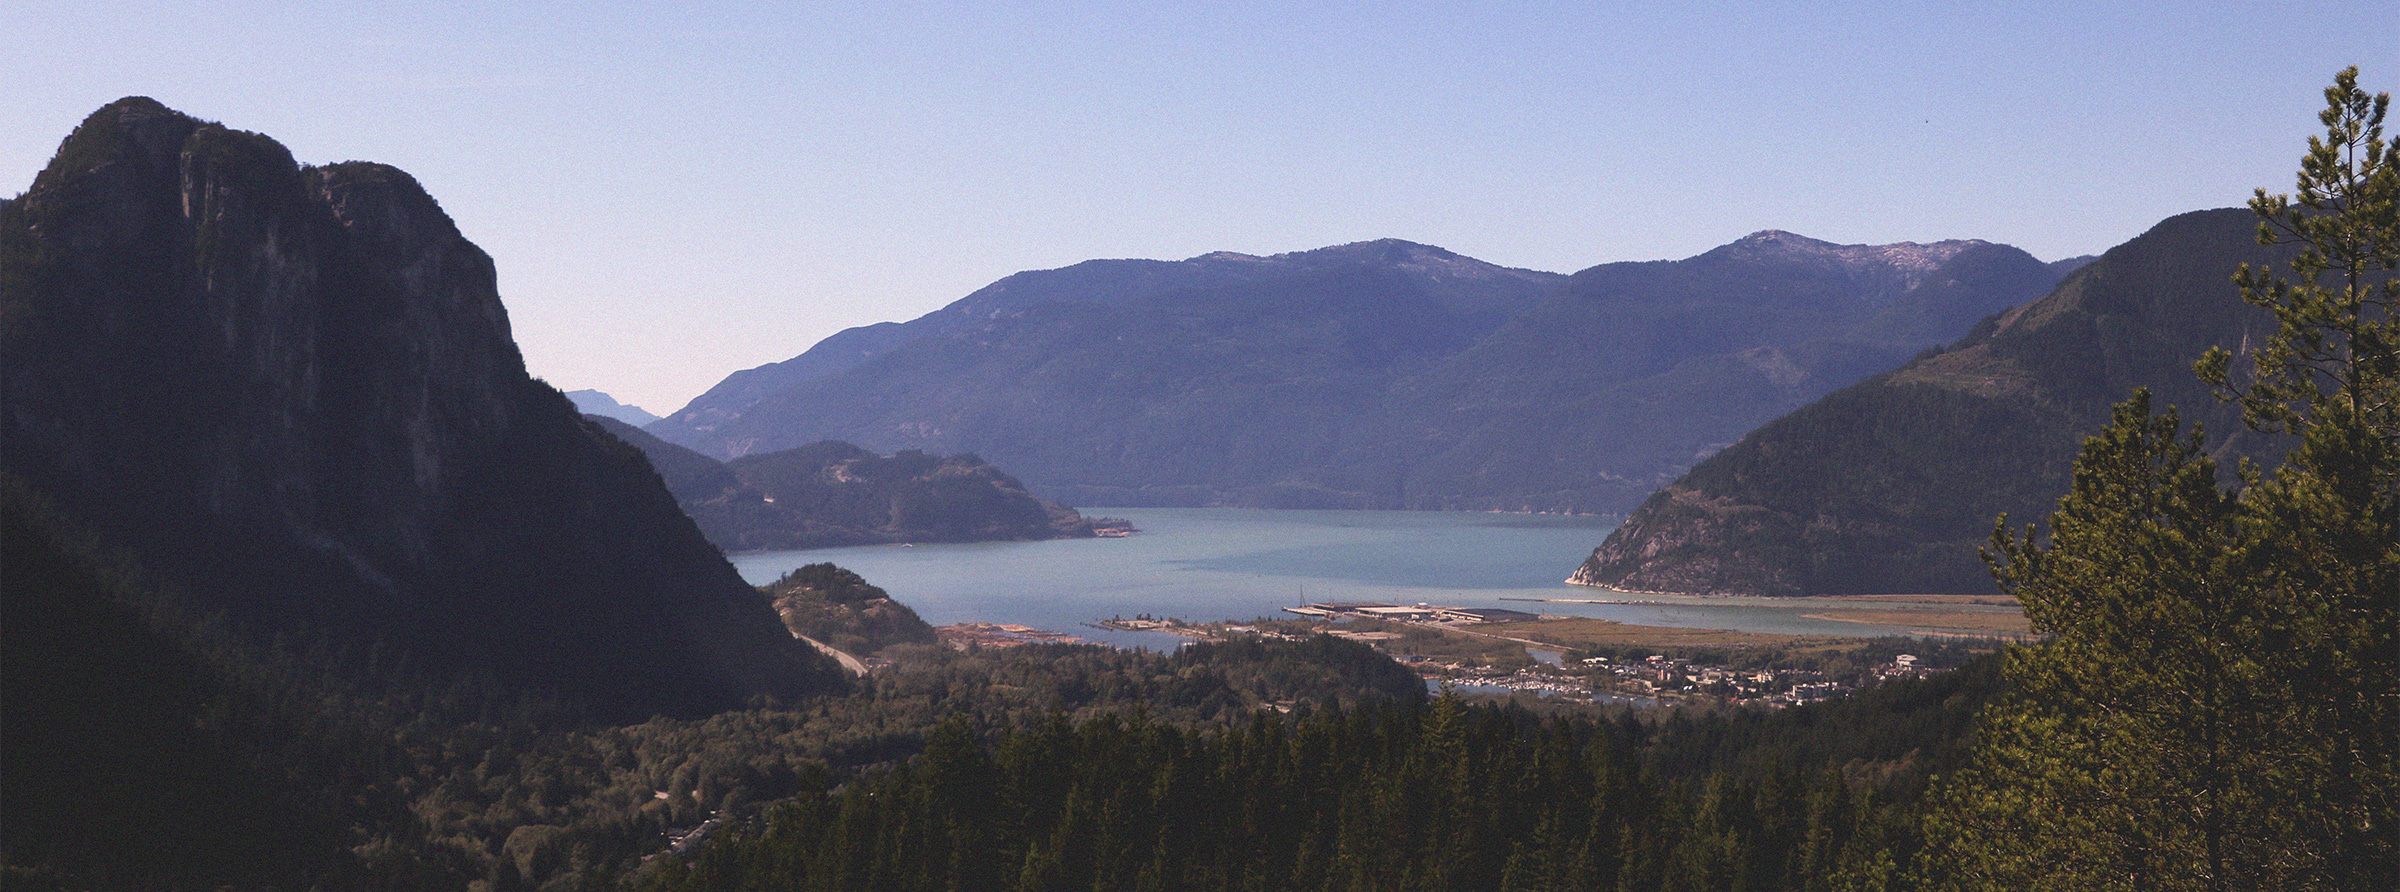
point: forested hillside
(1890, 485)
(2217, 700)
(836, 607)
(832, 493)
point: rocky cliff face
(292, 391)
(1891, 485)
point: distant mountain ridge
(292, 392)
(1379, 374)
(1100, 282)
(1891, 485)
(593, 402)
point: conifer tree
(2215, 707)
(2324, 536)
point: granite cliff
(290, 393)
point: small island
(830, 494)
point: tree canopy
(2217, 702)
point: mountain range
(1891, 485)
(1379, 374)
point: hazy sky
(673, 192)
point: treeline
(522, 807)
(1439, 796)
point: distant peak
(1769, 237)
(1907, 256)
(593, 402)
(1390, 246)
(1230, 256)
(1385, 250)
(133, 128)
(1392, 251)
(137, 105)
(1781, 236)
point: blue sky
(675, 192)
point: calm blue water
(1206, 564)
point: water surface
(1205, 564)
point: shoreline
(1940, 599)
(1955, 624)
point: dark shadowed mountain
(291, 393)
(832, 493)
(1892, 485)
(1373, 375)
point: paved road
(848, 662)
